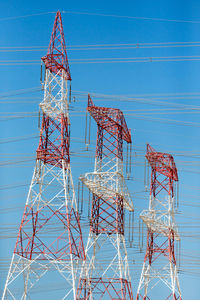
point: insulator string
(130, 160)
(70, 93)
(179, 261)
(86, 130)
(41, 73)
(45, 73)
(78, 197)
(177, 191)
(89, 129)
(82, 195)
(145, 171)
(39, 119)
(142, 233)
(174, 196)
(127, 150)
(133, 217)
(89, 198)
(139, 237)
(129, 228)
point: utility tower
(104, 278)
(160, 261)
(50, 234)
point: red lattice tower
(50, 235)
(101, 278)
(160, 261)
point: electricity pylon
(160, 267)
(101, 277)
(50, 235)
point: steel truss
(102, 278)
(50, 235)
(162, 233)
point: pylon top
(162, 162)
(56, 58)
(108, 117)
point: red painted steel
(107, 215)
(162, 163)
(110, 288)
(109, 118)
(56, 58)
(53, 149)
(163, 174)
(50, 232)
(54, 141)
(33, 242)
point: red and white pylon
(160, 261)
(50, 235)
(102, 278)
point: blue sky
(157, 110)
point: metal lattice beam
(50, 236)
(107, 279)
(160, 260)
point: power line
(140, 18)
(131, 17)
(110, 60)
(116, 46)
(26, 16)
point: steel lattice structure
(160, 260)
(50, 235)
(108, 279)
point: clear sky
(155, 85)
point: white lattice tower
(160, 267)
(103, 278)
(50, 237)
